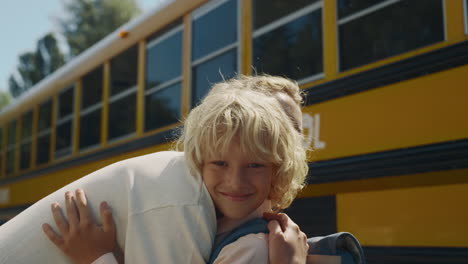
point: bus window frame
(156, 41)
(128, 92)
(26, 140)
(121, 95)
(150, 90)
(287, 19)
(11, 147)
(84, 112)
(369, 10)
(199, 13)
(44, 132)
(90, 109)
(61, 153)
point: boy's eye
(219, 163)
(255, 165)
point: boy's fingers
(60, 221)
(83, 210)
(108, 224)
(52, 235)
(72, 214)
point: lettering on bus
(311, 127)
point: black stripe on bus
(431, 62)
(434, 157)
(315, 215)
(416, 255)
(137, 144)
(7, 213)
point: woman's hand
(287, 243)
(81, 238)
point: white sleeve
(106, 259)
(153, 200)
(22, 240)
(249, 249)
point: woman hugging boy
(241, 157)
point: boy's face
(237, 184)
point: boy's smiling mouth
(236, 197)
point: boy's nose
(235, 177)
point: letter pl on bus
(311, 126)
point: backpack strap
(254, 226)
(340, 244)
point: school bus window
(91, 93)
(348, 7)
(267, 11)
(43, 133)
(64, 129)
(212, 43)
(163, 78)
(292, 47)
(11, 147)
(12, 133)
(25, 147)
(44, 116)
(26, 125)
(122, 116)
(387, 29)
(10, 162)
(43, 149)
(25, 152)
(164, 58)
(162, 107)
(124, 71)
(122, 102)
(63, 141)
(91, 106)
(90, 128)
(208, 34)
(65, 103)
(208, 73)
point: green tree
(35, 66)
(89, 21)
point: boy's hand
(287, 243)
(80, 238)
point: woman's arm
(80, 238)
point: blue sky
(23, 23)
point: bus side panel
(433, 216)
(425, 110)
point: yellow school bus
(385, 111)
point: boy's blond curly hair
(247, 109)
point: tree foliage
(89, 21)
(35, 66)
(86, 22)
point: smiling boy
(161, 206)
